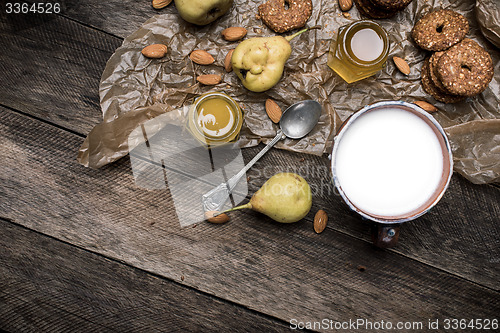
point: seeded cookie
(366, 8)
(433, 71)
(276, 16)
(439, 30)
(391, 5)
(465, 69)
(432, 90)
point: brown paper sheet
(134, 89)
(488, 18)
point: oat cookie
(433, 71)
(275, 15)
(465, 69)
(432, 90)
(391, 5)
(438, 30)
(366, 8)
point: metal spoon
(296, 122)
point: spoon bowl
(300, 118)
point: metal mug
(385, 231)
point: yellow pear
(285, 197)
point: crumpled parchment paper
(488, 17)
(134, 89)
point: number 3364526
(35, 8)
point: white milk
(389, 162)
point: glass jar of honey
(215, 119)
(359, 51)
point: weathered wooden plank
(51, 68)
(120, 18)
(286, 271)
(50, 286)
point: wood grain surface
(117, 237)
(286, 271)
(66, 289)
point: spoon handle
(236, 178)
(217, 197)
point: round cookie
(275, 15)
(432, 90)
(438, 30)
(391, 5)
(433, 71)
(465, 69)
(366, 8)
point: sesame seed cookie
(433, 71)
(276, 16)
(366, 8)
(432, 90)
(391, 5)
(438, 30)
(465, 69)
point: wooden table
(86, 250)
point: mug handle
(385, 235)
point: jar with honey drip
(360, 50)
(215, 119)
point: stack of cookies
(459, 67)
(380, 9)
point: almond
(209, 79)
(220, 218)
(159, 4)
(401, 65)
(426, 106)
(234, 33)
(273, 110)
(155, 51)
(201, 57)
(345, 5)
(227, 61)
(320, 221)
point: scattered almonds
(346, 14)
(159, 4)
(345, 5)
(227, 61)
(221, 218)
(201, 57)
(320, 221)
(273, 110)
(234, 33)
(155, 51)
(426, 106)
(209, 79)
(401, 65)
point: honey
(215, 119)
(359, 51)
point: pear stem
(248, 205)
(289, 38)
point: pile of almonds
(200, 57)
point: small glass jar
(215, 119)
(360, 50)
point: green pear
(285, 197)
(259, 62)
(202, 12)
